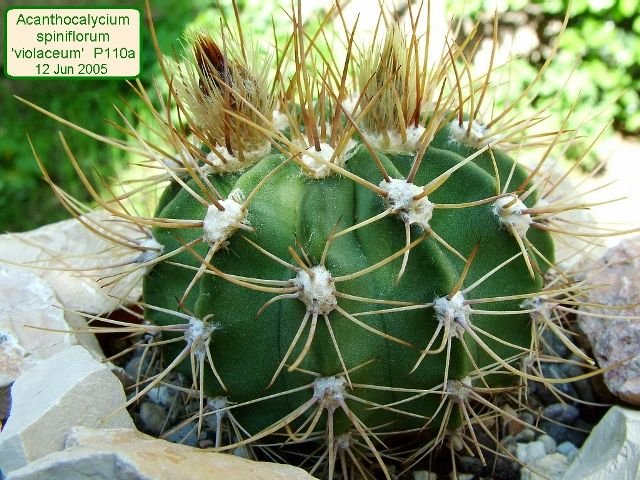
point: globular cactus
(344, 253)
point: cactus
(344, 254)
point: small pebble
(162, 395)
(552, 370)
(243, 452)
(465, 476)
(548, 442)
(509, 444)
(525, 436)
(552, 344)
(528, 452)
(471, 465)
(549, 467)
(562, 412)
(152, 417)
(571, 369)
(132, 366)
(185, 435)
(527, 417)
(562, 433)
(569, 450)
(424, 475)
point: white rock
(569, 450)
(68, 389)
(127, 454)
(528, 452)
(550, 467)
(612, 450)
(73, 260)
(28, 306)
(549, 443)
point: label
(72, 42)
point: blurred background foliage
(26, 201)
(596, 71)
(603, 36)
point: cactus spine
(343, 253)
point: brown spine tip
(212, 64)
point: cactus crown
(344, 253)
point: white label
(72, 42)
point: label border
(70, 77)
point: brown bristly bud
(228, 100)
(212, 63)
(389, 86)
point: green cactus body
(343, 254)
(290, 207)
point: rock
(33, 324)
(525, 436)
(612, 450)
(615, 340)
(470, 465)
(153, 417)
(558, 421)
(553, 345)
(568, 449)
(552, 370)
(509, 444)
(185, 435)
(424, 475)
(575, 434)
(527, 417)
(65, 390)
(124, 454)
(561, 412)
(548, 442)
(549, 467)
(528, 452)
(73, 260)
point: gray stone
(549, 467)
(68, 389)
(568, 449)
(185, 435)
(162, 395)
(471, 464)
(548, 442)
(563, 433)
(465, 476)
(510, 444)
(153, 417)
(527, 417)
(528, 452)
(525, 435)
(553, 370)
(614, 337)
(124, 454)
(553, 345)
(424, 475)
(612, 450)
(561, 412)
(558, 421)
